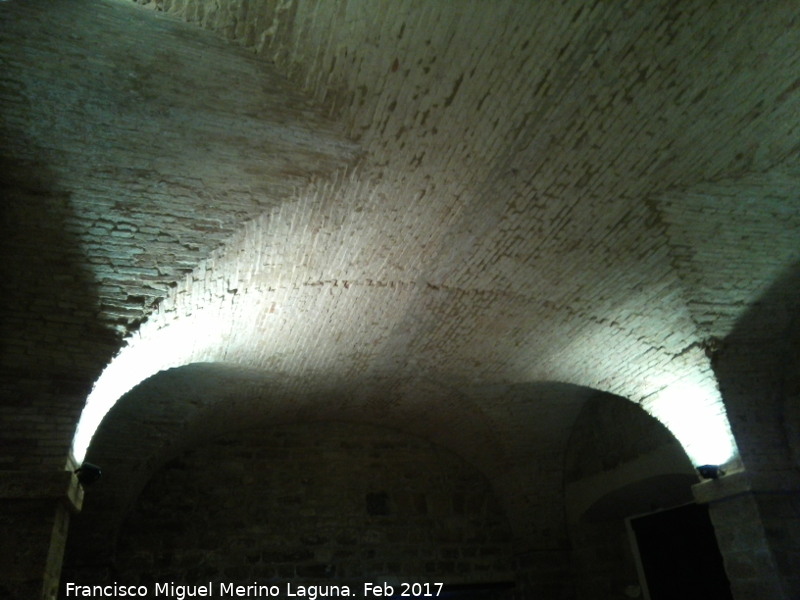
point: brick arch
(245, 324)
(302, 290)
(183, 407)
(236, 309)
(498, 428)
(597, 220)
(636, 334)
(620, 462)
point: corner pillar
(757, 523)
(35, 509)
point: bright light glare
(183, 341)
(694, 413)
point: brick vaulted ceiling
(453, 218)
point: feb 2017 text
(255, 590)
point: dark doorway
(680, 556)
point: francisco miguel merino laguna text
(256, 590)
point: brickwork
(34, 533)
(620, 462)
(759, 524)
(111, 194)
(544, 573)
(700, 225)
(608, 432)
(746, 549)
(183, 407)
(313, 502)
(440, 263)
(755, 366)
(459, 218)
(780, 515)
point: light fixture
(88, 473)
(710, 471)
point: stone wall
(22, 556)
(756, 513)
(30, 556)
(315, 502)
(620, 462)
(107, 177)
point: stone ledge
(742, 482)
(20, 485)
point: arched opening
(312, 503)
(180, 410)
(625, 476)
